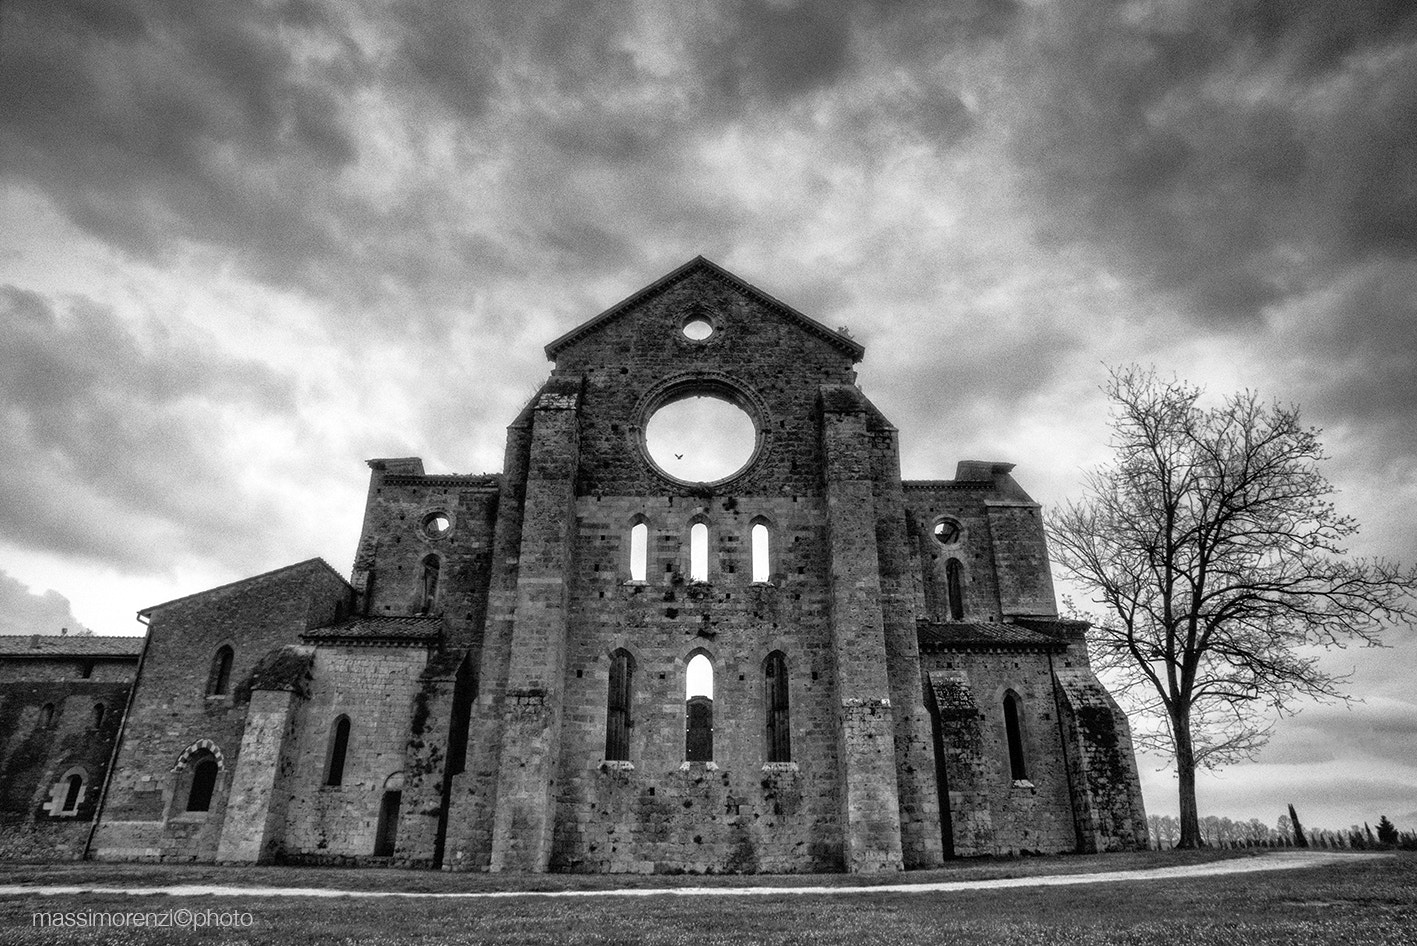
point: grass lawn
(1365, 901)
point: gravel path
(1284, 860)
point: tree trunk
(1186, 782)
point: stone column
(531, 721)
(866, 749)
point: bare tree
(1212, 544)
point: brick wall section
(377, 687)
(1020, 558)
(171, 710)
(866, 753)
(254, 827)
(531, 716)
(1106, 790)
(437, 749)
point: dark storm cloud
(1237, 156)
(24, 612)
(111, 439)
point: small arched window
(759, 537)
(339, 749)
(73, 794)
(219, 680)
(431, 568)
(46, 715)
(617, 707)
(776, 708)
(204, 774)
(955, 585)
(698, 710)
(1018, 770)
(99, 711)
(639, 551)
(698, 552)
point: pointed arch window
(639, 551)
(760, 539)
(339, 749)
(73, 794)
(1017, 769)
(698, 552)
(431, 567)
(776, 707)
(954, 583)
(219, 680)
(617, 707)
(204, 774)
(99, 711)
(698, 710)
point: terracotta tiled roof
(403, 629)
(962, 636)
(64, 645)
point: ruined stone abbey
(588, 663)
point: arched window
(698, 710)
(46, 715)
(1018, 771)
(73, 794)
(759, 537)
(639, 551)
(339, 748)
(954, 583)
(204, 773)
(219, 681)
(98, 713)
(776, 708)
(430, 584)
(698, 552)
(617, 707)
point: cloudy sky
(246, 246)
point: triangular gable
(701, 265)
(309, 563)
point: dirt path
(1284, 860)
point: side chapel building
(502, 683)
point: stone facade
(504, 683)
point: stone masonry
(503, 682)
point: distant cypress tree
(1299, 839)
(1387, 831)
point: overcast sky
(246, 246)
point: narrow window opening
(1015, 735)
(617, 707)
(219, 682)
(639, 551)
(760, 552)
(98, 713)
(46, 715)
(73, 793)
(199, 796)
(698, 552)
(339, 748)
(430, 584)
(955, 587)
(698, 710)
(386, 835)
(778, 718)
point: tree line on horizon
(1164, 833)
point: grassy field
(1365, 901)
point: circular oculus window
(701, 438)
(946, 532)
(437, 524)
(697, 329)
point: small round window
(946, 532)
(436, 525)
(697, 329)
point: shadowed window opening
(698, 710)
(99, 711)
(617, 707)
(701, 438)
(1015, 735)
(73, 793)
(946, 532)
(430, 584)
(778, 722)
(698, 552)
(199, 796)
(760, 539)
(639, 551)
(339, 748)
(219, 682)
(46, 715)
(955, 588)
